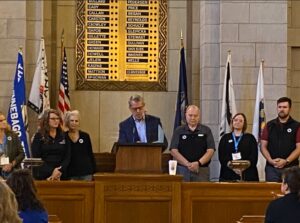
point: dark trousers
(189, 176)
(273, 174)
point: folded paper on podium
(139, 158)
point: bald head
(192, 115)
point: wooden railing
(252, 219)
(133, 197)
(53, 219)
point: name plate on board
(121, 44)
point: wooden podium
(139, 158)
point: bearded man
(280, 141)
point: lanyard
(3, 145)
(236, 142)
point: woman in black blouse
(50, 144)
(238, 145)
(82, 165)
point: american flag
(63, 96)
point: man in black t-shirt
(193, 146)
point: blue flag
(17, 113)
(182, 98)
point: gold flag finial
(62, 35)
(181, 38)
(62, 44)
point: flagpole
(181, 39)
(182, 98)
(62, 38)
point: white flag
(39, 94)
(228, 100)
(259, 120)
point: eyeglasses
(54, 119)
(137, 108)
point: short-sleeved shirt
(193, 144)
(282, 138)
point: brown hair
(22, 184)
(291, 176)
(8, 128)
(285, 99)
(245, 121)
(44, 128)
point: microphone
(133, 133)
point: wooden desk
(106, 162)
(136, 198)
(53, 219)
(72, 201)
(225, 202)
(252, 219)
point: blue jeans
(189, 176)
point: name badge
(4, 160)
(236, 156)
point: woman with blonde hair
(8, 205)
(11, 150)
(82, 164)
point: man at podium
(141, 127)
(193, 146)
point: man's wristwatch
(199, 162)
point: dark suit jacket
(284, 210)
(128, 132)
(14, 148)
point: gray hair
(136, 98)
(68, 116)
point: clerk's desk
(147, 198)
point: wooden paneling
(72, 202)
(106, 162)
(225, 202)
(137, 198)
(139, 158)
(252, 219)
(147, 198)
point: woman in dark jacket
(82, 164)
(51, 145)
(11, 150)
(238, 145)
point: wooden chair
(252, 219)
(53, 219)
